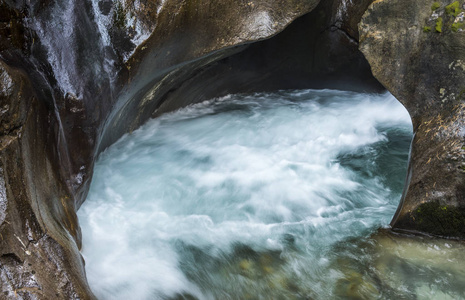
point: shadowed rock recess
(76, 75)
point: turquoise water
(263, 196)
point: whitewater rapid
(246, 196)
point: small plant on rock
(453, 9)
(439, 24)
(457, 27)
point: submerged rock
(393, 266)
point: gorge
(76, 76)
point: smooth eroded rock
(416, 50)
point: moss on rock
(457, 26)
(435, 6)
(441, 220)
(439, 24)
(453, 9)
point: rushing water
(265, 196)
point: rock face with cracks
(424, 69)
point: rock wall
(188, 37)
(318, 50)
(416, 50)
(39, 230)
(39, 233)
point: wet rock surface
(75, 76)
(39, 257)
(318, 50)
(416, 51)
(177, 50)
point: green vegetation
(442, 220)
(439, 24)
(453, 9)
(456, 26)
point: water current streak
(260, 196)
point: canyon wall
(76, 76)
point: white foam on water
(248, 169)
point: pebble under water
(264, 196)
